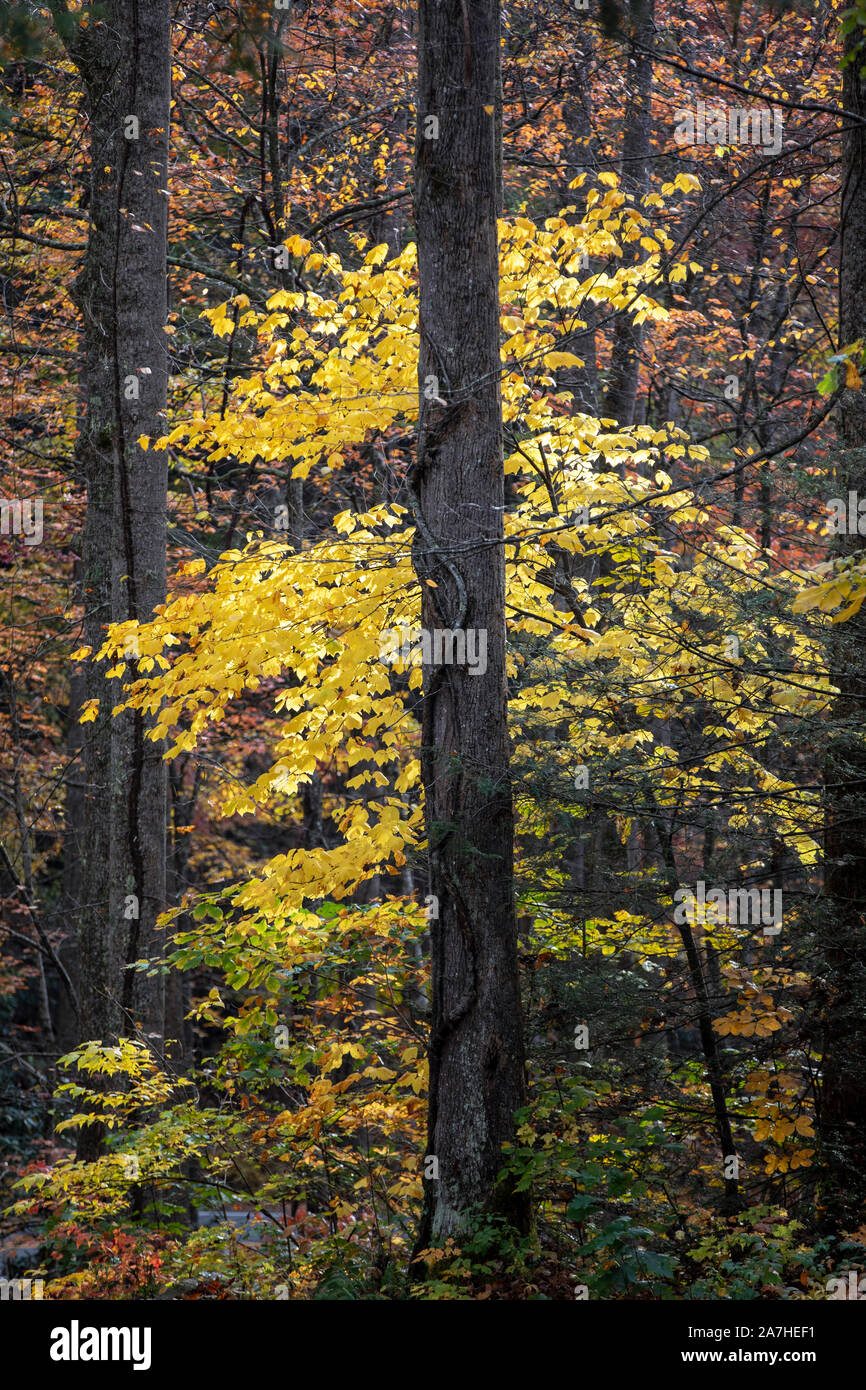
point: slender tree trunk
(704, 1017)
(68, 1023)
(183, 799)
(123, 54)
(457, 487)
(577, 114)
(842, 1113)
(636, 149)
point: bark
(842, 1111)
(457, 489)
(123, 55)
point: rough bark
(122, 52)
(476, 1044)
(842, 1112)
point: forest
(433, 652)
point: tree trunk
(636, 149)
(457, 489)
(842, 1113)
(124, 59)
(582, 382)
(715, 1072)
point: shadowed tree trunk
(842, 1112)
(622, 382)
(582, 382)
(457, 490)
(122, 52)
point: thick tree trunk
(842, 1114)
(476, 1044)
(124, 58)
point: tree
(690, 990)
(123, 53)
(842, 973)
(476, 1046)
(636, 149)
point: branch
(209, 274)
(837, 111)
(351, 208)
(46, 947)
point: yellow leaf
(561, 359)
